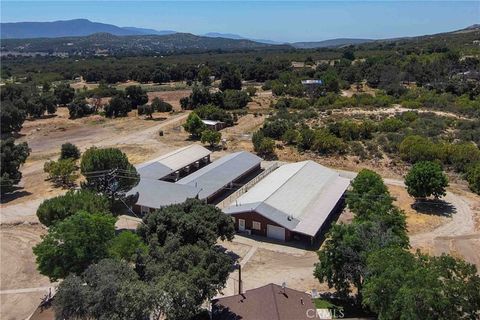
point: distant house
(214, 125)
(270, 302)
(293, 202)
(176, 164)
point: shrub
(161, 106)
(473, 177)
(235, 99)
(391, 125)
(416, 148)
(327, 143)
(211, 137)
(252, 91)
(69, 151)
(145, 109)
(61, 172)
(463, 154)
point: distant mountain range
(68, 28)
(85, 27)
(84, 37)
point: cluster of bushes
(157, 105)
(63, 172)
(80, 108)
(212, 112)
(20, 101)
(362, 100)
(229, 99)
(443, 101)
(463, 157)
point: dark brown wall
(254, 216)
(220, 194)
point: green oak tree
(64, 93)
(136, 95)
(12, 157)
(426, 179)
(73, 244)
(211, 137)
(194, 125)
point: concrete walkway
(27, 290)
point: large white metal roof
(298, 196)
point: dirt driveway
(269, 262)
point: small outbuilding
(176, 164)
(293, 202)
(214, 124)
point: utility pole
(239, 279)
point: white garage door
(275, 232)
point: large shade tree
(401, 285)
(60, 207)
(108, 171)
(12, 157)
(73, 244)
(426, 179)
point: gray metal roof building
(298, 197)
(214, 177)
(205, 183)
(156, 193)
(171, 163)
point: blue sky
(274, 20)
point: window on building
(256, 225)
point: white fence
(231, 198)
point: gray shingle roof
(298, 196)
(218, 174)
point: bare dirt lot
(18, 271)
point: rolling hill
(332, 43)
(108, 44)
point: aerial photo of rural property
(240, 160)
